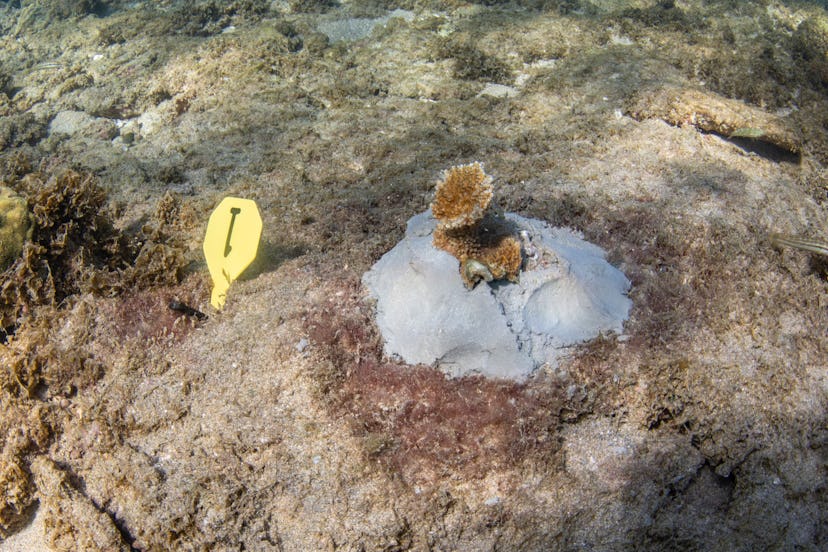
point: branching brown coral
(484, 243)
(490, 243)
(462, 197)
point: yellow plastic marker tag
(231, 242)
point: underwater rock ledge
(567, 294)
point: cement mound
(567, 294)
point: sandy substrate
(29, 539)
(678, 136)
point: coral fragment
(484, 243)
(462, 197)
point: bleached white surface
(568, 294)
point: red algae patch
(146, 315)
(427, 426)
(416, 421)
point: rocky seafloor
(679, 136)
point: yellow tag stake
(231, 242)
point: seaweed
(76, 252)
(473, 64)
(77, 271)
(17, 129)
(75, 247)
(50, 354)
(25, 428)
(415, 421)
(62, 9)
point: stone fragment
(710, 112)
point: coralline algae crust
(568, 294)
(15, 226)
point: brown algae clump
(75, 247)
(73, 243)
(484, 243)
(80, 293)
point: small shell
(473, 271)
